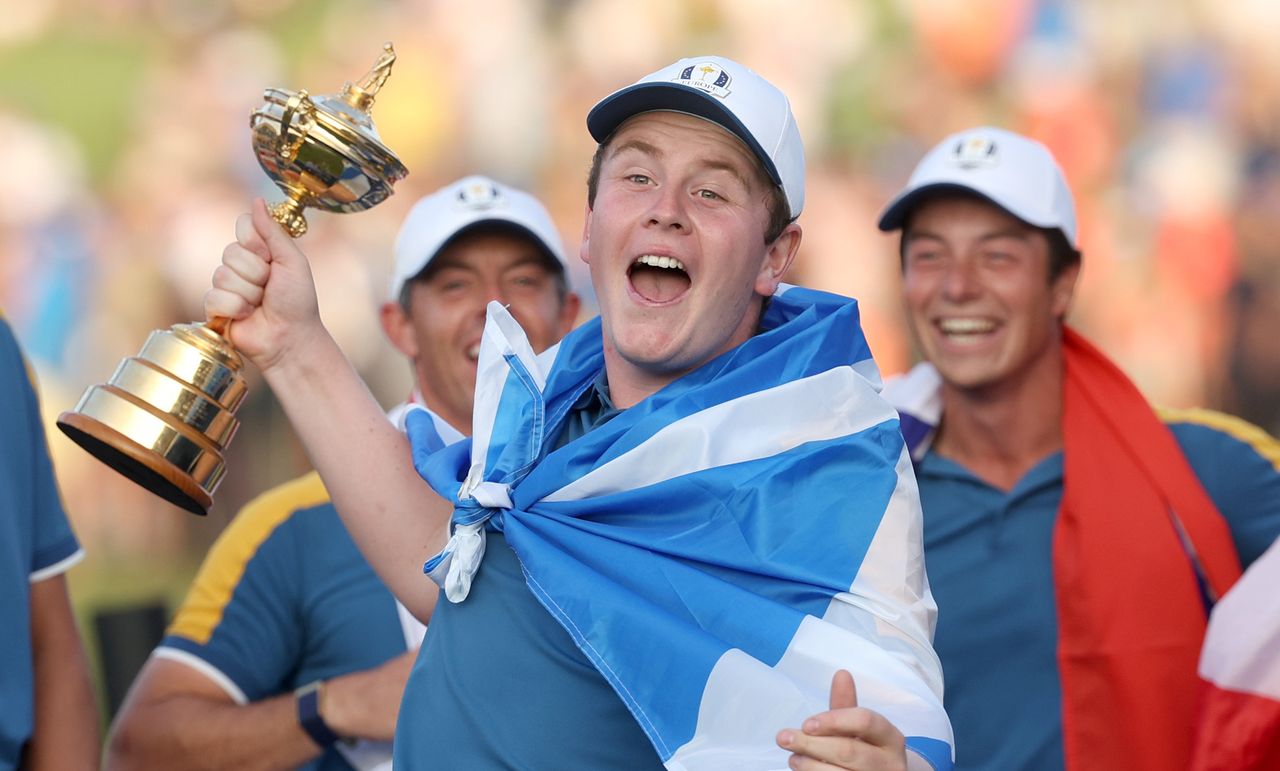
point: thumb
(272, 233)
(844, 693)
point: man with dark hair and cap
(647, 552)
(1076, 537)
(287, 641)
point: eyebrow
(711, 164)
(532, 257)
(640, 146)
(1019, 234)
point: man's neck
(462, 426)
(629, 384)
(1001, 431)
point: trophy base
(139, 464)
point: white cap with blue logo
(471, 202)
(727, 94)
(1011, 171)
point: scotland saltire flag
(917, 396)
(720, 549)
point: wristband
(308, 700)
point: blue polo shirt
(282, 599)
(36, 542)
(499, 684)
(991, 573)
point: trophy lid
(350, 109)
(347, 113)
(324, 150)
(340, 114)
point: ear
(584, 249)
(398, 328)
(569, 312)
(1063, 289)
(777, 258)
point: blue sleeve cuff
(50, 556)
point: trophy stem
(289, 214)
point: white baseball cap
(731, 96)
(471, 202)
(1011, 171)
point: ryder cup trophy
(165, 416)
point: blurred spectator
(48, 712)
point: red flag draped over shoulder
(1135, 530)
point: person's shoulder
(256, 548)
(7, 337)
(286, 499)
(1218, 437)
(1239, 466)
(276, 511)
(12, 360)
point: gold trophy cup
(165, 416)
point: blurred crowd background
(124, 137)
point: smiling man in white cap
(1075, 537)
(647, 552)
(287, 641)
(471, 242)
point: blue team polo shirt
(499, 684)
(989, 556)
(285, 598)
(36, 541)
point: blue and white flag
(720, 549)
(917, 396)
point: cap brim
(616, 108)
(896, 213)
(503, 224)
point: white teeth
(654, 261)
(966, 326)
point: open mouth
(658, 279)
(966, 330)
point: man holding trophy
(645, 551)
(648, 552)
(288, 646)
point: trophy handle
(300, 106)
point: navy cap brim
(895, 215)
(616, 108)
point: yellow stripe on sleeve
(223, 567)
(1261, 442)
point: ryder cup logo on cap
(1012, 172)
(469, 204)
(478, 193)
(727, 94)
(974, 151)
(708, 76)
